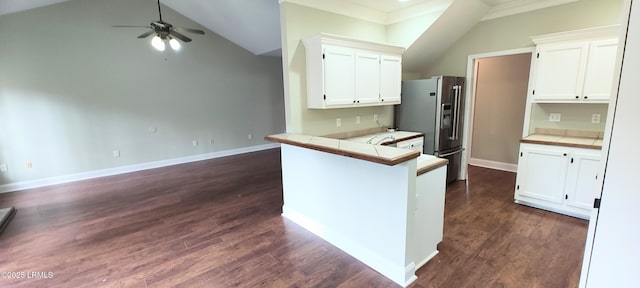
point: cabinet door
(600, 69)
(390, 79)
(560, 71)
(367, 77)
(339, 75)
(542, 173)
(581, 181)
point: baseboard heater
(5, 216)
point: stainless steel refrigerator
(435, 107)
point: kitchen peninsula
(383, 205)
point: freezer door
(455, 162)
(418, 110)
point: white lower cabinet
(556, 178)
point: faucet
(390, 137)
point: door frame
(470, 97)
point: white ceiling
(255, 24)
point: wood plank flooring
(217, 223)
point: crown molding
(521, 6)
(603, 32)
(345, 8)
(350, 9)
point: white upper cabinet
(600, 69)
(560, 72)
(575, 66)
(343, 72)
(338, 68)
(390, 79)
(367, 78)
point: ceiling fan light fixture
(175, 45)
(157, 43)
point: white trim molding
(17, 186)
(521, 6)
(470, 98)
(493, 165)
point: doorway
(497, 91)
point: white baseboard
(493, 165)
(129, 168)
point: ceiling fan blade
(130, 26)
(146, 34)
(179, 36)
(190, 30)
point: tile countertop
(559, 140)
(374, 153)
(368, 152)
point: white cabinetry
(600, 69)
(343, 72)
(390, 79)
(556, 178)
(575, 66)
(339, 69)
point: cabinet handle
(354, 101)
(382, 100)
(358, 101)
(571, 159)
(577, 97)
(565, 154)
(585, 97)
(566, 196)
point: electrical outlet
(357, 119)
(4, 167)
(595, 118)
(249, 136)
(28, 164)
(194, 143)
(554, 117)
(211, 141)
(116, 153)
(375, 117)
(338, 122)
(153, 130)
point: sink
(374, 139)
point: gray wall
(73, 89)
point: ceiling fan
(165, 31)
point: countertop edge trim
(574, 145)
(433, 166)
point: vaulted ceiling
(255, 24)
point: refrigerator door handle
(451, 153)
(454, 126)
(457, 111)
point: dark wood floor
(217, 223)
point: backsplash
(572, 116)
